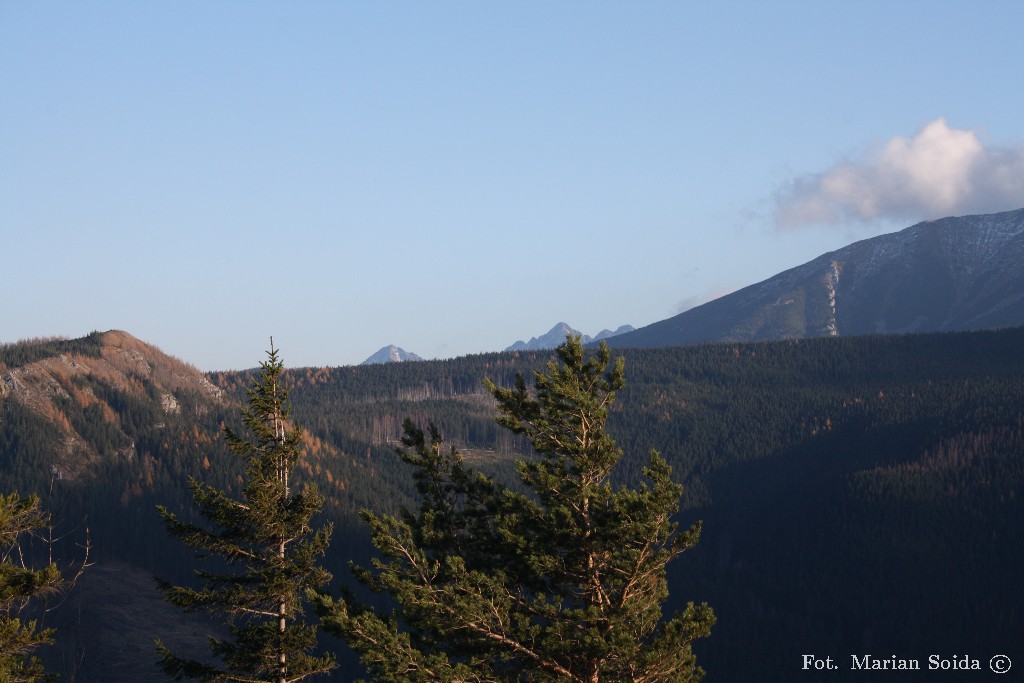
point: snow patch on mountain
(831, 282)
(391, 354)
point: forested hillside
(859, 495)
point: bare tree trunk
(282, 477)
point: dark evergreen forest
(859, 495)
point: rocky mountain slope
(962, 273)
(104, 428)
(73, 385)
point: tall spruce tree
(268, 548)
(562, 583)
(19, 585)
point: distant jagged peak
(605, 334)
(557, 334)
(391, 354)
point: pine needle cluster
(564, 582)
(20, 584)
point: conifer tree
(268, 548)
(20, 584)
(562, 583)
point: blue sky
(453, 176)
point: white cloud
(700, 299)
(940, 171)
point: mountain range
(953, 274)
(958, 273)
(556, 335)
(845, 482)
